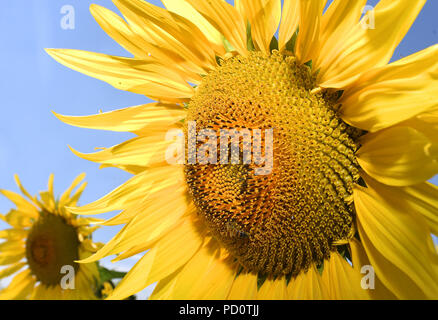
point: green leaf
(107, 275)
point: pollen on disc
(280, 222)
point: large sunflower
(355, 140)
(42, 245)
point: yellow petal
(63, 200)
(141, 152)
(159, 215)
(139, 249)
(130, 119)
(308, 42)
(19, 219)
(89, 271)
(21, 203)
(365, 48)
(226, 19)
(154, 218)
(20, 286)
(170, 37)
(389, 95)
(164, 287)
(51, 293)
(13, 234)
(170, 253)
(39, 293)
(118, 29)
(264, 17)
(130, 192)
(24, 191)
(47, 202)
(187, 11)
(244, 287)
(7, 258)
(89, 245)
(151, 149)
(342, 281)
(307, 286)
(48, 197)
(397, 242)
(6, 272)
(423, 199)
(50, 186)
(238, 4)
(208, 275)
(360, 260)
(426, 123)
(273, 290)
(75, 197)
(138, 76)
(289, 22)
(398, 156)
(337, 22)
(11, 247)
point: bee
(234, 231)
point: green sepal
(249, 42)
(362, 182)
(320, 267)
(309, 64)
(261, 280)
(274, 44)
(227, 45)
(219, 60)
(290, 45)
(345, 252)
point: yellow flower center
(52, 243)
(278, 222)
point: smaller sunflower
(43, 245)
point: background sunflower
(42, 244)
(39, 26)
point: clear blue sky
(33, 143)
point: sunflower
(43, 244)
(345, 212)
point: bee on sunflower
(42, 245)
(354, 144)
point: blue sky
(33, 143)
